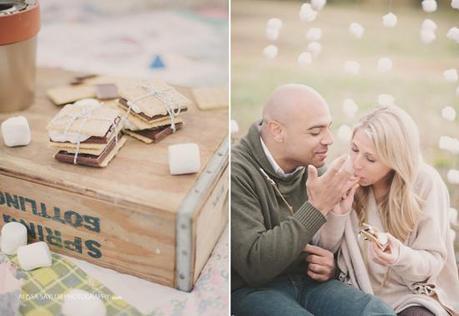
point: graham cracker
(69, 94)
(211, 98)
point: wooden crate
(133, 216)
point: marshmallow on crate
(307, 13)
(318, 4)
(86, 133)
(270, 51)
(315, 48)
(453, 34)
(151, 110)
(429, 6)
(33, 256)
(384, 64)
(356, 30)
(184, 159)
(14, 235)
(16, 131)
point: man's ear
(277, 131)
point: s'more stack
(86, 133)
(151, 110)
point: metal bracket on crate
(190, 204)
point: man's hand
(321, 265)
(326, 191)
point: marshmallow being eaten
(14, 235)
(33, 256)
(184, 159)
(16, 131)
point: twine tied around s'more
(85, 113)
(164, 96)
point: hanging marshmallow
(307, 13)
(314, 34)
(272, 34)
(33, 256)
(81, 303)
(318, 4)
(429, 25)
(449, 144)
(384, 64)
(356, 30)
(429, 6)
(389, 20)
(427, 36)
(184, 159)
(453, 176)
(16, 131)
(234, 127)
(274, 23)
(270, 51)
(350, 108)
(450, 75)
(453, 34)
(455, 4)
(352, 67)
(386, 100)
(304, 59)
(448, 113)
(14, 235)
(344, 133)
(315, 48)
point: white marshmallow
(382, 238)
(33, 256)
(81, 303)
(274, 23)
(448, 113)
(389, 20)
(307, 13)
(350, 108)
(318, 4)
(427, 36)
(384, 64)
(356, 30)
(352, 67)
(429, 6)
(270, 51)
(344, 133)
(386, 99)
(272, 34)
(449, 144)
(184, 159)
(16, 131)
(453, 34)
(315, 48)
(429, 25)
(450, 75)
(453, 176)
(457, 91)
(455, 4)
(14, 235)
(314, 34)
(305, 58)
(234, 127)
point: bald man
(277, 207)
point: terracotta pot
(19, 25)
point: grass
(416, 80)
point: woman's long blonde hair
(396, 139)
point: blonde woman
(398, 194)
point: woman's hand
(390, 254)
(345, 204)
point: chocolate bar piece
(80, 79)
(92, 160)
(153, 135)
(106, 91)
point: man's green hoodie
(267, 237)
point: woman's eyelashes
(356, 150)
